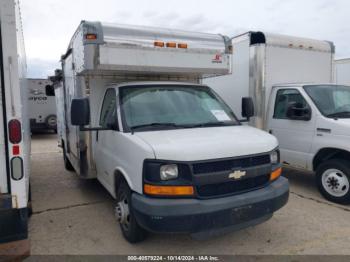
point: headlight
(169, 172)
(275, 157)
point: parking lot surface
(73, 216)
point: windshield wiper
(212, 124)
(154, 125)
(340, 114)
(208, 124)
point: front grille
(228, 165)
(232, 187)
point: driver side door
(105, 139)
(295, 136)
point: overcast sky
(49, 24)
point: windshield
(332, 100)
(172, 106)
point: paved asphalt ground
(73, 216)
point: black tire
(67, 164)
(338, 181)
(51, 122)
(131, 230)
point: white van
(41, 105)
(288, 79)
(168, 149)
(14, 134)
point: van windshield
(171, 106)
(332, 100)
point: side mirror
(50, 90)
(247, 107)
(80, 112)
(296, 111)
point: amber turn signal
(276, 174)
(168, 190)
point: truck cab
(134, 114)
(177, 159)
(312, 124)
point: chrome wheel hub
(335, 182)
(122, 213)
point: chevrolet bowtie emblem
(237, 175)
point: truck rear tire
(131, 230)
(333, 180)
(67, 164)
(51, 122)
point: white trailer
(134, 114)
(342, 71)
(41, 105)
(14, 132)
(289, 80)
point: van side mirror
(247, 107)
(296, 111)
(80, 112)
(49, 90)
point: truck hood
(208, 143)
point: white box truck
(167, 148)
(14, 133)
(41, 105)
(342, 71)
(288, 79)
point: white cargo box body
(342, 71)
(112, 49)
(262, 60)
(13, 103)
(100, 54)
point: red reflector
(15, 150)
(15, 132)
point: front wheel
(333, 180)
(131, 230)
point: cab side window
(108, 110)
(286, 97)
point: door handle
(324, 130)
(96, 136)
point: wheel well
(330, 153)
(119, 178)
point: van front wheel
(333, 180)
(131, 230)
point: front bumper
(13, 222)
(194, 215)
